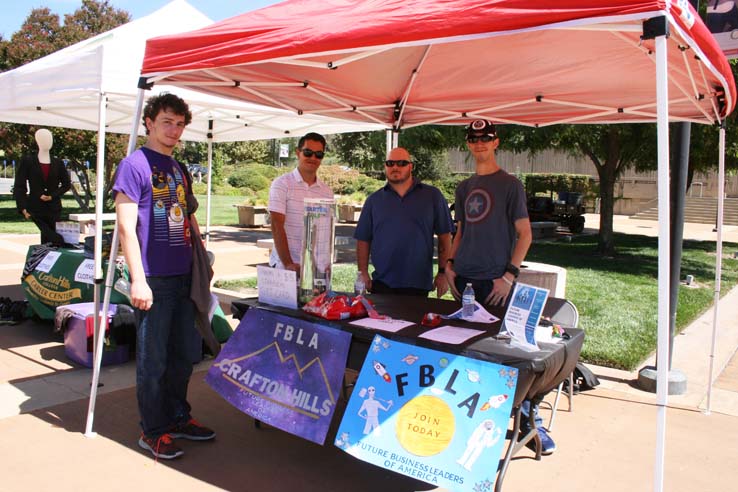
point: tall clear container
(318, 245)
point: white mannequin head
(44, 141)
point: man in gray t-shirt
(492, 238)
(493, 230)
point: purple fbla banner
(430, 415)
(283, 371)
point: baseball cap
(481, 127)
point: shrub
(345, 181)
(265, 170)
(247, 178)
(448, 185)
(260, 197)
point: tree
(91, 19)
(3, 54)
(426, 144)
(40, 35)
(37, 37)
(611, 148)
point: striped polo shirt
(286, 196)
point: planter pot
(349, 213)
(252, 215)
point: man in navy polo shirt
(396, 229)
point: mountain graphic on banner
(304, 372)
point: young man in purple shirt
(154, 226)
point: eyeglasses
(390, 163)
(482, 138)
(309, 153)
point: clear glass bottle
(318, 245)
(467, 302)
(123, 286)
(359, 287)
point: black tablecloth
(539, 371)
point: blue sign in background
(283, 371)
(434, 416)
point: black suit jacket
(30, 185)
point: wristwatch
(510, 268)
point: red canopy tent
(405, 63)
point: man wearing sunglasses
(286, 197)
(492, 237)
(493, 230)
(396, 228)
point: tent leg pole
(210, 182)
(718, 263)
(662, 385)
(101, 317)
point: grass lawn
(11, 222)
(222, 210)
(617, 297)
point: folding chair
(567, 315)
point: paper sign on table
(451, 334)
(277, 287)
(85, 272)
(386, 324)
(523, 314)
(48, 262)
(69, 231)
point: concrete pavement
(606, 443)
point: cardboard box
(78, 336)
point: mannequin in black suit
(40, 181)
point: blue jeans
(525, 407)
(167, 346)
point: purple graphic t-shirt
(155, 181)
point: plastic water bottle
(123, 286)
(467, 302)
(359, 287)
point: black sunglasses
(402, 163)
(482, 138)
(309, 153)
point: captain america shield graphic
(478, 205)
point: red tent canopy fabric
(410, 62)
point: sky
(14, 12)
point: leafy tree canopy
(427, 145)
(41, 34)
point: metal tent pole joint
(655, 27)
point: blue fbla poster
(430, 415)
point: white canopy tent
(64, 88)
(93, 85)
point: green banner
(64, 276)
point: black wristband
(510, 268)
(441, 270)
